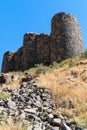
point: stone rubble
(34, 104)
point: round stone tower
(66, 36)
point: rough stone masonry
(64, 41)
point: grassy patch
(70, 62)
(4, 95)
(82, 119)
(1, 116)
(39, 69)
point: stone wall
(64, 41)
(8, 63)
(43, 49)
(29, 57)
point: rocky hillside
(45, 98)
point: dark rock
(2, 79)
(70, 122)
(50, 117)
(5, 79)
(67, 104)
(56, 122)
(27, 78)
(3, 102)
(8, 63)
(7, 90)
(79, 128)
(64, 127)
(74, 73)
(30, 117)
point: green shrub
(84, 55)
(4, 95)
(42, 69)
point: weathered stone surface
(56, 122)
(17, 62)
(2, 79)
(65, 41)
(8, 63)
(65, 127)
(66, 36)
(43, 49)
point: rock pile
(33, 103)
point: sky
(20, 16)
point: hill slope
(66, 82)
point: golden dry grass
(10, 127)
(14, 126)
(65, 87)
(12, 85)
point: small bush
(70, 62)
(82, 120)
(42, 69)
(4, 95)
(84, 55)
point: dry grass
(66, 87)
(13, 126)
(12, 85)
(15, 83)
(10, 127)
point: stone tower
(66, 36)
(65, 41)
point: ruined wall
(8, 63)
(29, 57)
(43, 49)
(64, 41)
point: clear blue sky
(20, 16)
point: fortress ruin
(64, 41)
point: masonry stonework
(65, 41)
(66, 35)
